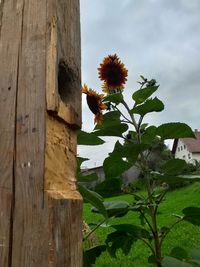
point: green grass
(184, 234)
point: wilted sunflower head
(95, 104)
(114, 74)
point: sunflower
(114, 74)
(94, 101)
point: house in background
(98, 171)
(187, 148)
(127, 177)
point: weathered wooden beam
(10, 31)
(29, 214)
(40, 109)
(63, 57)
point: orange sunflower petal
(98, 118)
(95, 104)
(113, 72)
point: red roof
(193, 145)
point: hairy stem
(149, 245)
(168, 231)
(146, 220)
(151, 207)
(126, 119)
(93, 230)
(131, 115)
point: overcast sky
(156, 38)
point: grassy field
(184, 234)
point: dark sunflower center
(113, 75)
(93, 104)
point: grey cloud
(157, 38)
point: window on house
(189, 156)
(184, 157)
(178, 149)
(181, 148)
(184, 147)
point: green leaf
(93, 198)
(149, 135)
(114, 166)
(119, 240)
(179, 253)
(190, 177)
(173, 166)
(192, 215)
(195, 263)
(142, 220)
(144, 79)
(143, 126)
(84, 138)
(164, 229)
(118, 149)
(109, 118)
(174, 130)
(141, 95)
(173, 262)
(195, 254)
(117, 208)
(111, 125)
(195, 257)
(131, 151)
(150, 105)
(87, 178)
(124, 236)
(80, 160)
(90, 255)
(171, 179)
(114, 98)
(180, 258)
(152, 259)
(133, 230)
(113, 130)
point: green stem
(131, 115)
(93, 230)
(149, 245)
(140, 121)
(167, 232)
(161, 198)
(152, 209)
(153, 214)
(126, 119)
(147, 221)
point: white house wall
(182, 152)
(196, 156)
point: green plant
(126, 122)
(109, 187)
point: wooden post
(40, 110)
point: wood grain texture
(10, 30)
(52, 61)
(30, 237)
(64, 38)
(65, 243)
(40, 213)
(65, 203)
